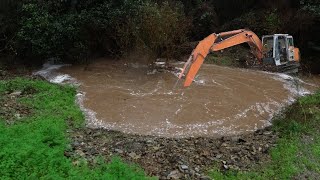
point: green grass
(298, 148)
(34, 147)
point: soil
(11, 110)
(170, 158)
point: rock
(267, 132)
(133, 155)
(97, 134)
(156, 148)
(205, 153)
(136, 146)
(16, 93)
(236, 168)
(192, 172)
(184, 167)
(70, 131)
(81, 153)
(88, 131)
(118, 151)
(76, 163)
(169, 158)
(93, 151)
(224, 145)
(149, 141)
(174, 175)
(234, 158)
(235, 139)
(224, 162)
(205, 178)
(17, 115)
(76, 143)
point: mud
(134, 98)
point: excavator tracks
(289, 68)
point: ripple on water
(222, 101)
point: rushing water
(132, 98)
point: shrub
(272, 22)
(161, 28)
(54, 29)
(44, 34)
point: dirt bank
(185, 158)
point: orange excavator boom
(216, 42)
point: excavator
(275, 51)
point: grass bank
(35, 117)
(297, 154)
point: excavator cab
(279, 50)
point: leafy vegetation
(298, 150)
(113, 27)
(223, 60)
(34, 147)
(77, 30)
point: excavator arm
(216, 42)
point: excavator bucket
(197, 57)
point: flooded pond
(132, 98)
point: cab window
(290, 41)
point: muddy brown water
(222, 101)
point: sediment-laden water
(133, 98)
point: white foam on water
(60, 78)
(90, 116)
(49, 72)
(168, 128)
(292, 84)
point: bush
(161, 28)
(76, 30)
(44, 34)
(272, 22)
(54, 29)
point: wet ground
(175, 158)
(134, 98)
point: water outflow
(222, 101)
